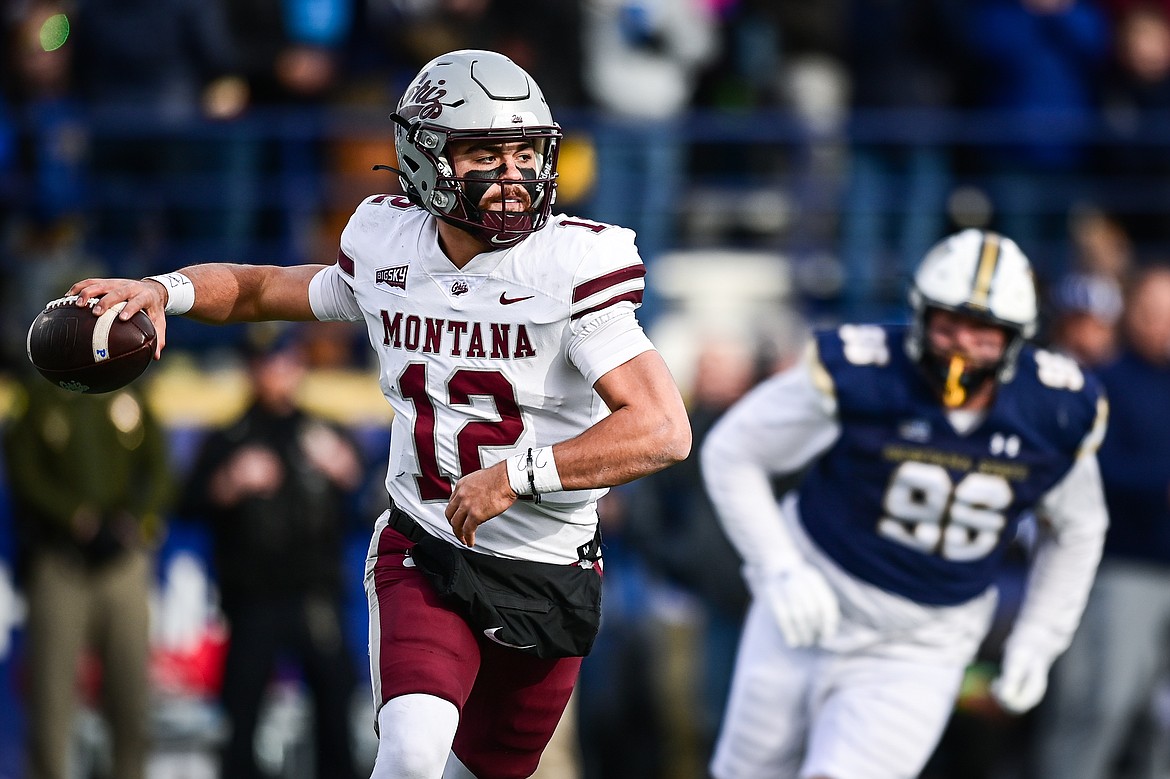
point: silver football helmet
(475, 95)
(981, 274)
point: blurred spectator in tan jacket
(90, 478)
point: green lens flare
(54, 32)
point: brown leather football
(81, 352)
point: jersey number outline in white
(1059, 371)
(461, 386)
(927, 511)
(864, 344)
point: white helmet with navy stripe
(981, 274)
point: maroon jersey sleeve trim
(634, 296)
(593, 286)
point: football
(81, 352)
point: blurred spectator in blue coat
(290, 50)
(149, 71)
(1134, 167)
(903, 60)
(1085, 309)
(45, 144)
(46, 113)
(1039, 64)
(642, 61)
(1102, 685)
(292, 54)
(42, 135)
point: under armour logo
(917, 430)
(1005, 445)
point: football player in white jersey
(922, 448)
(522, 386)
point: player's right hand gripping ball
(81, 352)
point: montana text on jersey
(500, 341)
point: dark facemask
(955, 379)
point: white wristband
(544, 471)
(533, 473)
(180, 292)
(518, 474)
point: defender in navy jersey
(922, 448)
(522, 386)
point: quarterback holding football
(522, 387)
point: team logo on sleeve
(394, 277)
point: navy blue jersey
(908, 504)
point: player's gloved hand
(801, 601)
(1022, 680)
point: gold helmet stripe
(985, 272)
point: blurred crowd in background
(784, 164)
(845, 135)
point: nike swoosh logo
(491, 633)
(507, 301)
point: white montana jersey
(483, 362)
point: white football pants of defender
(811, 712)
(873, 705)
(399, 758)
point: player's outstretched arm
(647, 431)
(1061, 574)
(780, 427)
(221, 292)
